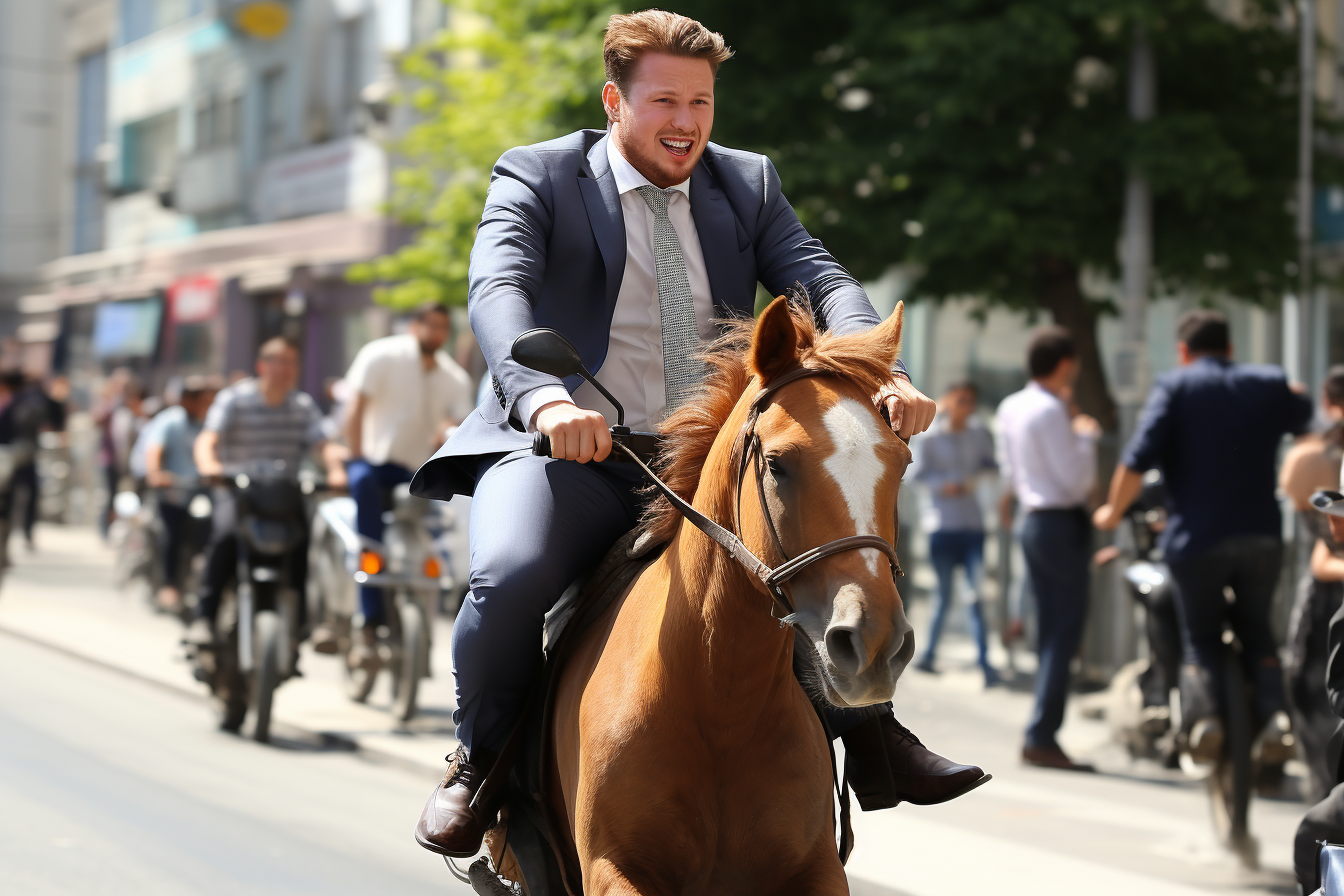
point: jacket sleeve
(1334, 667)
(508, 262)
(786, 253)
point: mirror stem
(620, 411)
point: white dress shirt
(633, 369)
(407, 404)
(1048, 464)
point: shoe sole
(434, 847)
(983, 779)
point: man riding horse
(635, 243)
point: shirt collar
(627, 178)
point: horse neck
(720, 613)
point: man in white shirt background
(1049, 456)
(406, 393)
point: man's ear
(611, 101)
(774, 344)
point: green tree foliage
(502, 74)
(988, 142)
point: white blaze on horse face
(854, 464)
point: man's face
(662, 123)
(431, 331)
(197, 403)
(278, 368)
(959, 405)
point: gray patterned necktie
(681, 338)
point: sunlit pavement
(122, 784)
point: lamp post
(1305, 335)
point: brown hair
(656, 31)
(1049, 348)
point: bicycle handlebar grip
(541, 444)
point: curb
(325, 740)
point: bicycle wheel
(1233, 777)
(414, 646)
(265, 670)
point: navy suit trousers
(1057, 545)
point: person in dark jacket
(1214, 429)
(1325, 820)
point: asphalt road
(111, 785)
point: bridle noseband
(749, 450)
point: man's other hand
(1107, 517)
(1086, 426)
(909, 410)
(575, 433)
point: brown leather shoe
(886, 765)
(1053, 757)
(448, 825)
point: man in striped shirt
(260, 420)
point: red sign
(195, 299)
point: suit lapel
(603, 205)
(716, 227)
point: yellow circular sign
(264, 19)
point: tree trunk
(1060, 294)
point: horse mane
(690, 431)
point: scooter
(257, 628)
(137, 534)
(411, 565)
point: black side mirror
(545, 350)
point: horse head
(832, 469)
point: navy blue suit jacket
(550, 252)
(1214, 428)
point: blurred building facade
(221, 163)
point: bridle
(749, 451)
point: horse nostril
(901, 656)
(845, 648)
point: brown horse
(688, 758)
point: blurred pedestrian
(949, 458)
(405, 396)
(1049, 454)
(119, 416)
(1214, 428)
(32, 415)
(1325, 820)
(171, 470)
(1313, 463)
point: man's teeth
(677, 144)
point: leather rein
(750, 451)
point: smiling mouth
(676, 147)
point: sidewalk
(1132, 829)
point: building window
(141, 18)
(272, 112)
(90, 134)
(217, 121)
(149, 152)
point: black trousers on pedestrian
(1249, 566)
(24, 486)
(1058, 548)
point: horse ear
(888, 332)
(774, 344)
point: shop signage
(195, 298)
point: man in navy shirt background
(1214, 428)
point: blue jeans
(948, 550)
(1058, 546)
(367, 486)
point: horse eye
(776, 468)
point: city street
(116, 781)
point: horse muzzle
(864, 652)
